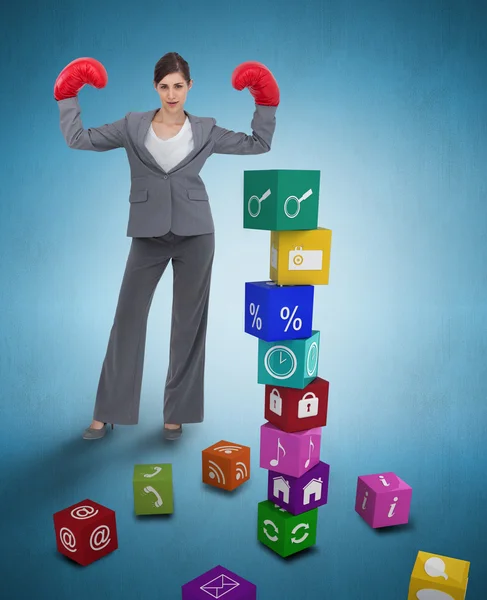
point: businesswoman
(169, 220)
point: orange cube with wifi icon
(226, 465)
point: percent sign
(254, 311)
(286, 314)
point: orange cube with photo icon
(226, 465)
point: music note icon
(311, 445)
(275, 461)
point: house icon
(281, 485)
(313, 487)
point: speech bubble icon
(433, 595)
(435, 567)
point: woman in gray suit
(169, 220)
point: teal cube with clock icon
(289, 363)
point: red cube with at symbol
(85, 532)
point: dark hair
(171, 62)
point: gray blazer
(175, 201)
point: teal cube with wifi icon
(281, 199)
(289, 363)
(153, 489)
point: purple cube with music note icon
(300, 494)
(289, 453)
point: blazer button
(165, 176)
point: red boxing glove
(75, 75)
(259, 80)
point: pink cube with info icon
(383, 499)
(289, 453)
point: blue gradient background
(388, 100)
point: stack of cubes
(279, 313)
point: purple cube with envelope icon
(219, 583)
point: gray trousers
(118, 396)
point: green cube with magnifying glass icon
(281, 199)
(153, 489)
(289, 363)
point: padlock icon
(308, 406)
(275, 402)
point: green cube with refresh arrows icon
(281, 200)
(283, 532)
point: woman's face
(172, 91)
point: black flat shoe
(95, 434)
(173, 434)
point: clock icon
(280, 362)
(312, 359)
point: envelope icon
(219, 586)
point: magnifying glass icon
(259, 200)
(298, 205)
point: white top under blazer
(169, 153)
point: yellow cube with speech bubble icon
(437, 577)
(300, 257)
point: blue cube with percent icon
(275, 312)
(289, 363)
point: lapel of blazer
(144, 125)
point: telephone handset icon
(150, 490)
(156, 471)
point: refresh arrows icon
(303, 537)
(272, 538)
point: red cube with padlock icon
(86, 531)
(293, 410)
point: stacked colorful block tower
(279, 313)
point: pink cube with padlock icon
(292, 409)
(289, 453)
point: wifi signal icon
(242, 472)
(227, 449)
(215, 472)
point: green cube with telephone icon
(153, 489)
(281, 199)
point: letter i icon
(365, 500)
(393, 506)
